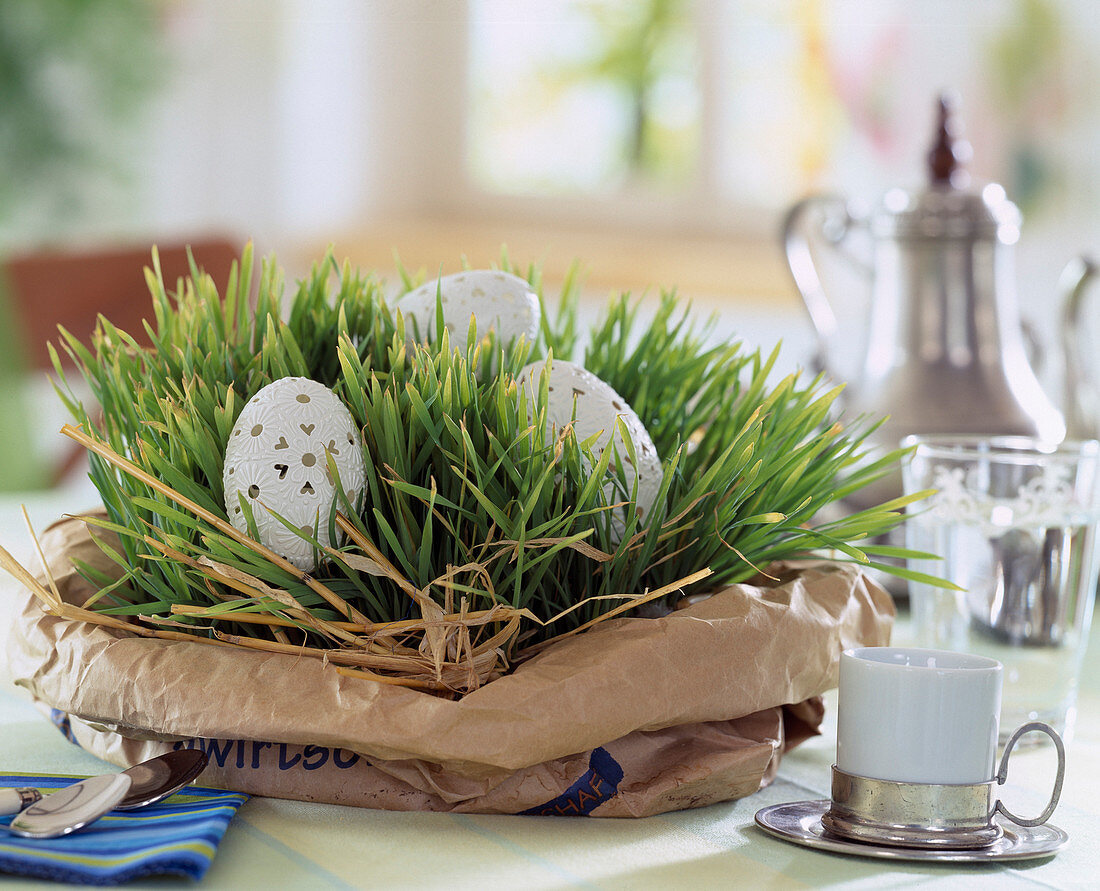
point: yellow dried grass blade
(42, 557)
(51, 599)
(414, 683)
(610, 614)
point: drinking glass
(1015, 522)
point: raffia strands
(621, 608)
(451, 655)
(449, 658)
(473, 618)
(477, 665)
(55, 606)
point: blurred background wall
(658, 141)
(299, 122)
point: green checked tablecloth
(286, 844)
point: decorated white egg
(498, 300)
(276, 459)
(577, 395)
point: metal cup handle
(1002, 773)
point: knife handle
(12, 801)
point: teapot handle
(834, 223)
(1081, 408)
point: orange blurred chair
(72, 288)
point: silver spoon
(76, 806)
(156, 779)
(72, 807)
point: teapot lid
(947, 208)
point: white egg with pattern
(498, 300)
(594, 407)
(276, 459)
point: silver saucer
(800, 822)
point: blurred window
(583, 97)
(735, 108)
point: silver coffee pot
(945, 349)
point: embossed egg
(498, 300)
(276, 459)
(598, 407)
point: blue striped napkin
(178, 836)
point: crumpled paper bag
(631, 718)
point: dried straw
(448, 650)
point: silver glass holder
(931, 815)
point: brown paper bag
(631, 718)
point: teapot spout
(1081, 393)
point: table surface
(275, 843)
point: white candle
(918, 716)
